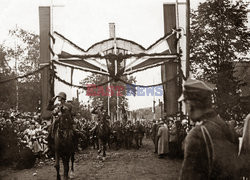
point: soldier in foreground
(210, 149)
(56, 112)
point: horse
(103, 135)
(64, 143)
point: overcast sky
(86, 22)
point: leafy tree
(101, 96)
(219, 37)
(7, 100)
(26, 53)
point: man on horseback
(102, 128)
(57, 110)
(62, 133)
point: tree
(26, 54)
(7, 100)
(100, 96)
(219, 37)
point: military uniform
(128, 134)
(138, 134)
(57, 111)
(210, 148)
(154, 136)
(117, 132)
(223, 157)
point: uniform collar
(209, 114)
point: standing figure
(138, 134)
(102, 130)
(117, 133)
(172, 139)
(163, 137)
(210, 149)
(154, 135)
(128, 135)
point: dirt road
(124, 164)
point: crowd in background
(27, 130)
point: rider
(56, 112)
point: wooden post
(188, 39)
(169, 71)
(44, 22)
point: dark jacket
(223, 151)
(57, 108)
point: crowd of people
(168, 135)
(208, 137)
(20, 131)
(29, 130)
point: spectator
(163, 137)
(172, 139)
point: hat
(198, 85)
(184, 121)
(62, 95)
(196, 90)
(161, 121)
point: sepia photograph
(125, 89)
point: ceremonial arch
(116, 57)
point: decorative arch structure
(116, 57)
(117, 54)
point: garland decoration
(81, 87)
(25, 75)
(167, 36)
(152, 85)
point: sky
(86, 22)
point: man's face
(61, 100)
(192, 112)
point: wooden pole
(44, 22)
(169, 70)
(188, 39)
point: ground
(122, 164)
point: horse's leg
(57, 165)
(66, 166)
(104, 148)
(97, 143)
(72, 166)
(99, 146)
(72, 161)
(109, 142)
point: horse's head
(65, 118)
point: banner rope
(121, 80)
(152, 85)
(25, 75)
(81, 87)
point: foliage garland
(25, 75)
